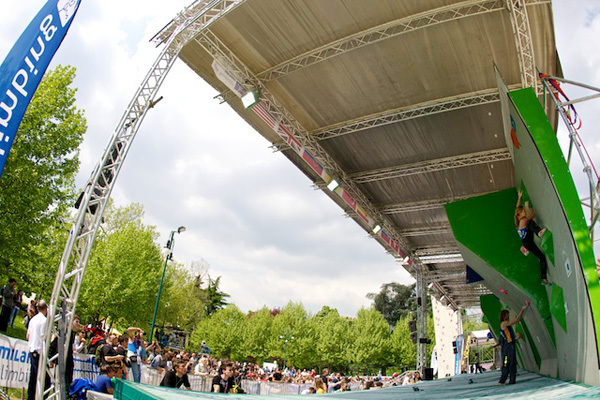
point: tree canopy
(37, 185)
(394, 301)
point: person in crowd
(223, 382)
(104, 381)
(325, 378)
(202, 368)
(108, 352)
(309, 390)
(526, 228)
(134, 340)
(177, 376)
(121, 350)
(509, 356)
(158, 362)
(8, 300)
(35, 342)
(80, 343)
(320, 387)
(16, 308)
(31, 311)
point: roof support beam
(439, 164)
(442, 228)
(424, 205)
(523, 42)
(382, 32)
(436, 106)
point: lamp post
(287, 339)
(169, 256)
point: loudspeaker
(428, 374)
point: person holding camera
(135, 337)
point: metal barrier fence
(86, 368)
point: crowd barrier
(14, 372)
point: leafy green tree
(403, 349)
(394, 301)
(257, 335)
(294, 319)
(223, 332)
(215, 298)
(333, 339)
(182, 305)
(123, 271)
(37, 184)
(371, 340)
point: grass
(19, 331)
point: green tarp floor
(528, 386)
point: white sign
(225, 76)
(14, 362)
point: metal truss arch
(69, 277)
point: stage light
(377, 229)
(250, 98)
(333, 184)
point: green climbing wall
(513, 277)
(561, 329)
(575, 297)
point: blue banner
(23, 68)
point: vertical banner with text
(26, 63)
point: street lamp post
(287, 339)
(169, 256)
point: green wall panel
(557, 306)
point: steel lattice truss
(395, 28)
(523, 42)
(405, 114)
(424, 205)
(440, 164)
(61, 307)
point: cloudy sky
(249, 213)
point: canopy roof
(398, 100)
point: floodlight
(333, 184)
(376, 229)
(250, 98)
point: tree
(371, 345)
(123, 271)
(215, 298)
(394, 301)
(223, 333)
(37, 184)
(257, 335)
(333, 339)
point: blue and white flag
(23, 68)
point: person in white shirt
(35, 339)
